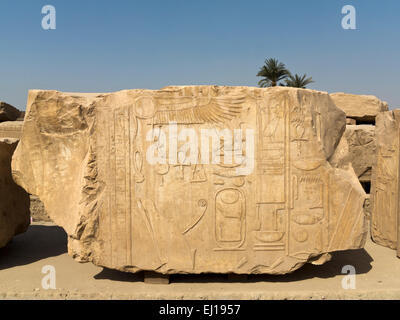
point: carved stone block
(385, 181)
(361, 140)
(38, 212)
(193, 179)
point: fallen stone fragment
(14, 201)
(385, 181)
(361, 140)
(8, 112)
(114, 171)
(362, 108)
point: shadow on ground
(39, 242)
(360, 259)
(115, 275)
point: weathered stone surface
(385, 181)
(87, 157)
(11, 129)
(14, 201)
(38, 212)
(351, 121)
(343, 158)
(359, 107)
(361, 140)
(8, 112)
(367, 207)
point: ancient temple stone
(38, 211)
(13, 130)
(361, 140)
(361, 108)
(118, 173)
(385, 181)
(14, 201)
(8, 112)
(361, 111)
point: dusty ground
(21, 263)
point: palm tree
(272, 72)
(298, 81)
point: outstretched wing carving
(209, 110)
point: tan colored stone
(8, 112)
(361, 140)
(368, 207)
(38, 212)
(11, 129)
(385, 181)
(343, 158)
(351, 121)
(359, 107)
(85, 156)
(14, 201)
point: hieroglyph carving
(385, 222)
(193, 179)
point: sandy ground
(21, 263)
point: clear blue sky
(102, 46)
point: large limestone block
(14, 201)
(361, 140)
(115, 172)
(360, 107)
(385, 181)
(8, 112)
(11, 129)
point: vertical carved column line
(111, 181)
(128, 194)
(287, 173)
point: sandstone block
(367, 207)
(14, 201)
(12, 130)
(8, 112)
(385, 181)
(38, 212)
(138, 184)
(361, 140)
(359, 107)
